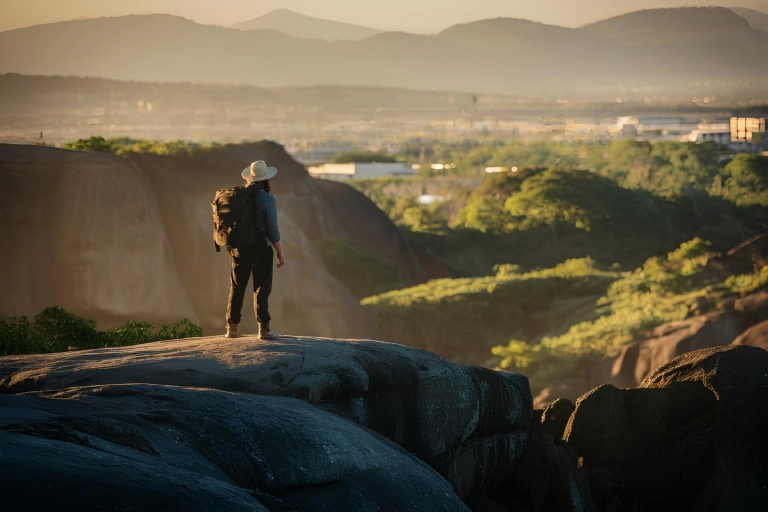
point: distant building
(750, 130)
(430, 199)
(653, 127)
(627, 131)
(710, 135)
(748, 134)
(491, 170)
(359, 170)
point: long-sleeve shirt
(266, 218)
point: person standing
(256, 259)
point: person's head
(258, 173)
(263, 185)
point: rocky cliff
(736, 321)
(129, 239)
(324, 424)
(295, 424)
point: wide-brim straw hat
(258, 171)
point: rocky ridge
(266, 416)
(733, 321)
(314, 423)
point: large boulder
(737, 376)
(149, 447)
(547, 477)
(672, 339)
(731, 319)
(716, 328)
(690, 438)
(555, 417)
(755, 336)
(468, 423)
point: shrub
(122, 146)
(56, 330)
(62, 329)
(464, 318)
(94, 143)
(664, 289)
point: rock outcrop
(755, 336)
(547, 478)
(149, 447)
(320, 424)
(130, 239)
(735, 321)
(356, 425)
(717, 328)
(691, 437)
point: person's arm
(280, 256)
(273, 232)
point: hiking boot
(231, 331)
(265, 333)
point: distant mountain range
(653, 52)
(307, 27)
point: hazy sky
(409, 15)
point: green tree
(745, 180)
(667, 169)
(485, 209)
(584, 200)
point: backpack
(234, 213)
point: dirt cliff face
(84, 231)
(130, 239)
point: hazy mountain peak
(307, 27)
(756, 19)
(682, 19)
(683, 26)
(650, 48)
(155, 19)
(500, 25)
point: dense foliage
(664, 289)
(556, 318)
(57, 330)
(463, 318)
(744, 181)
(555, 197)
(619, 202)
(123, 145)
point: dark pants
(256, 260)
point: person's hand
(279, 250)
